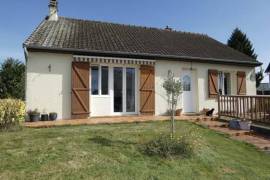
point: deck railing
(253, 108)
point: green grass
(112, 152)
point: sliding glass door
(130, 90)
(124, 90)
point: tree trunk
(172, 117)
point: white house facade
(49, 85)
(82, 69)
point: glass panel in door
(130, 90)
(118, 89)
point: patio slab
(108, 120)
(261, 142)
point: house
(82, 68)
(264, 88)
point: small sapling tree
(173, 89)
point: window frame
(91, 91)
(100, 80)
(187, 87)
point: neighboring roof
(264, 87)
(74, 35)
(268, 69)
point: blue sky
(18, 18)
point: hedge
(12, 112)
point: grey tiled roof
(93, 36)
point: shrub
(166, 146)
(12, 112)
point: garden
(120, 151)
(154, 150)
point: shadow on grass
(108, 142)
(11, 128)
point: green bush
(12, 112)
(166, 146)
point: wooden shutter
(80, 90)
(212, 83)
(241, 83)
(147, 90)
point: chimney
(167, 28)
(53, 10)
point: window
(94, 80)
(227, 84)
(186, 83)
(224, 83)
(99, 80)
(104, 80)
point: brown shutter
(241, 83)
(147, 90)
(80, 90)
(212, 83)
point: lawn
(113, 152)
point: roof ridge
(137, 26)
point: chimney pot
(53, 10)
(167, 28)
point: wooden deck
(252, 108)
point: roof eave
(141, 55)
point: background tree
(173, 89)
(259, 77)
(241, 42)
(12, 79)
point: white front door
(188, 92)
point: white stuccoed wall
(49, 91)
(200, 71)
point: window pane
(220, 82)
(94, 80)
(118, 89)
(104, 80)
(227, 83)
(186, 83)
(130, 89)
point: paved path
(260, 142)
